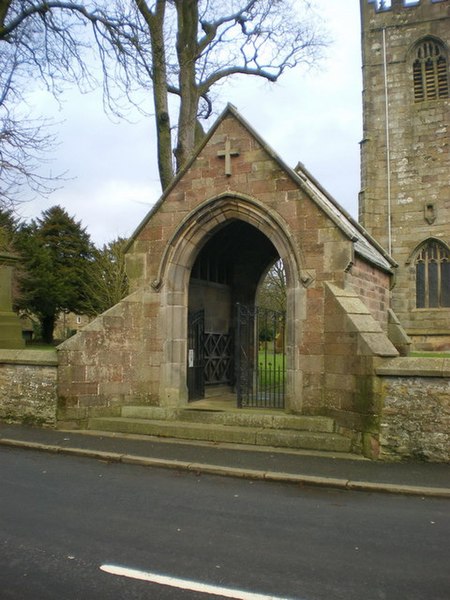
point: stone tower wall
(410, 141)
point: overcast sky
(312, 117)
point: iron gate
(218, 349)
(260, 357)
(210, 357)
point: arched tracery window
(433, 275)
(430, 71)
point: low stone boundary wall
(415, 417)
(28, 386)
(414, 396)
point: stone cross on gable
(227, 154)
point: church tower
(405, 156)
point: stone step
(253, 418)
(217, 391)
(239, 417)
(282, 438)
(145, 412)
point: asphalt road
(64, 518)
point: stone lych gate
(340, 375)
(205, 246)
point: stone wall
(353, 339)
(113, 361)
(28, 386)
(394, 409)
(372, 286)
(216, 300)
(415, 417)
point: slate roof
(364, 245)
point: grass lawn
(431, 354)
(40, 347)
(271, 369)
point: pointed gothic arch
(431, 260)
(174, 275)
(430, 69)
(195, 228)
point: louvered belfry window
(433, 276)
(430, 71)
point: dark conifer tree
(57, 256)
(8, 227)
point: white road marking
(185, 584)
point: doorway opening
(236, 348)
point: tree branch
(211, 28)
(223, 73)
(42, 8)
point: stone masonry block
(363, 323)
(353, 305)
(113, 388)
(312, 364)
(341, 363)
(340, 381)
(335, 322)
(377, 344)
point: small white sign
(191, 357)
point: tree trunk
(187, 51)
(48, 326)
(155, 22)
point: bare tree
(272, 291)
(185, 48)
(108, 281)
(180, 49)
(23, 147)
(43, 41)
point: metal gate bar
(260, 357)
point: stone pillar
(10, 327)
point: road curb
(254, 474)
